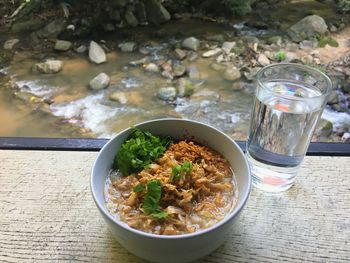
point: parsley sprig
(180, 170)
(151, 202)
(140, 149)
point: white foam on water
(339, 119)
(91, 111)
(4, 70)
(36, 88)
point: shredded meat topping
(194, 201)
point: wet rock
(9, 44)
(293, 47)
(27, 25)
(101, 81)
(179, 70)
(96, 53)
(139, 62)
(191, 43)
(307, 28)
(346, 88)
(193, 72)
(277, 40)
(118, 97)
(212, 53)
(333, 98)
(346, 137)
(156, 12)
(205, 94)
(52, 30)
(217, 67)
(27, 96)
(108, 27)
(263, 60)
(252, 42)
(168, 93)
(308, 44)
(231, 74)
(192, 56)
(166, 74)
(184, 87)
(48, 67)
(130, 18)
(81, 49)
(180, 54)
(151, 67)
(324, 128)
(228, 46)
(238, 85)
(333, 28)
(127, 46)
(251, 74)
(62, 45)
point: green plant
(280, 56)
(328, 40)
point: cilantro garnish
(139, 150)
(152, 198)
(139, 188)
(180, 170)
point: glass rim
(305, 67)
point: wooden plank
(47, 214)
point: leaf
(178, 171)
(139, 188)
(151, 202)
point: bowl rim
(236, 210)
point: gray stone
(101, 81)
(193, 72)
(151, 67)
(180, 54)
(263, 60)
(48, 67)
(307, 28)
(291, 57)
(192, 56)
(217, 67)
(9, 44)
(275, 40)
(237, 85)
(62, 45)
(290, 46)
(52, 30)
(166, 74)
(140, 61)
(96, 53)
(333, 28)
(231, 74)
(118, 97)
(179, 70)
(218, 38)
(127, 46)
(168, 93)
(346, 137)
(130, 18)
(212, 53)
(333, 98)
(228, 46)
(308, 44)
(252, 73)
(191, 43)
(324, 128)
(81, 49)
(156, 12)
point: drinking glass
(289, 100)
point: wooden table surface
(47, 214)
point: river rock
(191, 43)
(307, 28)
(333, 98)
(237, 85)
(101, 81)
(52, 30)
(130, 18)
(141, 61)
(217, 37)
(180, 54)
(263, 60)
(184, 87)
(193, 72)
(212, 53)
(308, 44)
(62, 45)
(277, 40)
(307, 59)
(156, 12)
(127, 46)
(81, 49)
(346, 137)
(291, 57)
(168, 93)
(118, 97)
(250, 75)
(151, 67)
(96, 53)
(27, 25)
(48, 67)
(9, 44)
(192, 56)
(324, 128)
(217, 67)
(231, 74)
(228, 46)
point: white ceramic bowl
(179, 248)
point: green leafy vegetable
(152, 198)
(139, 150)
(139, 188)
(179, 170)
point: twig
(18, 10)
